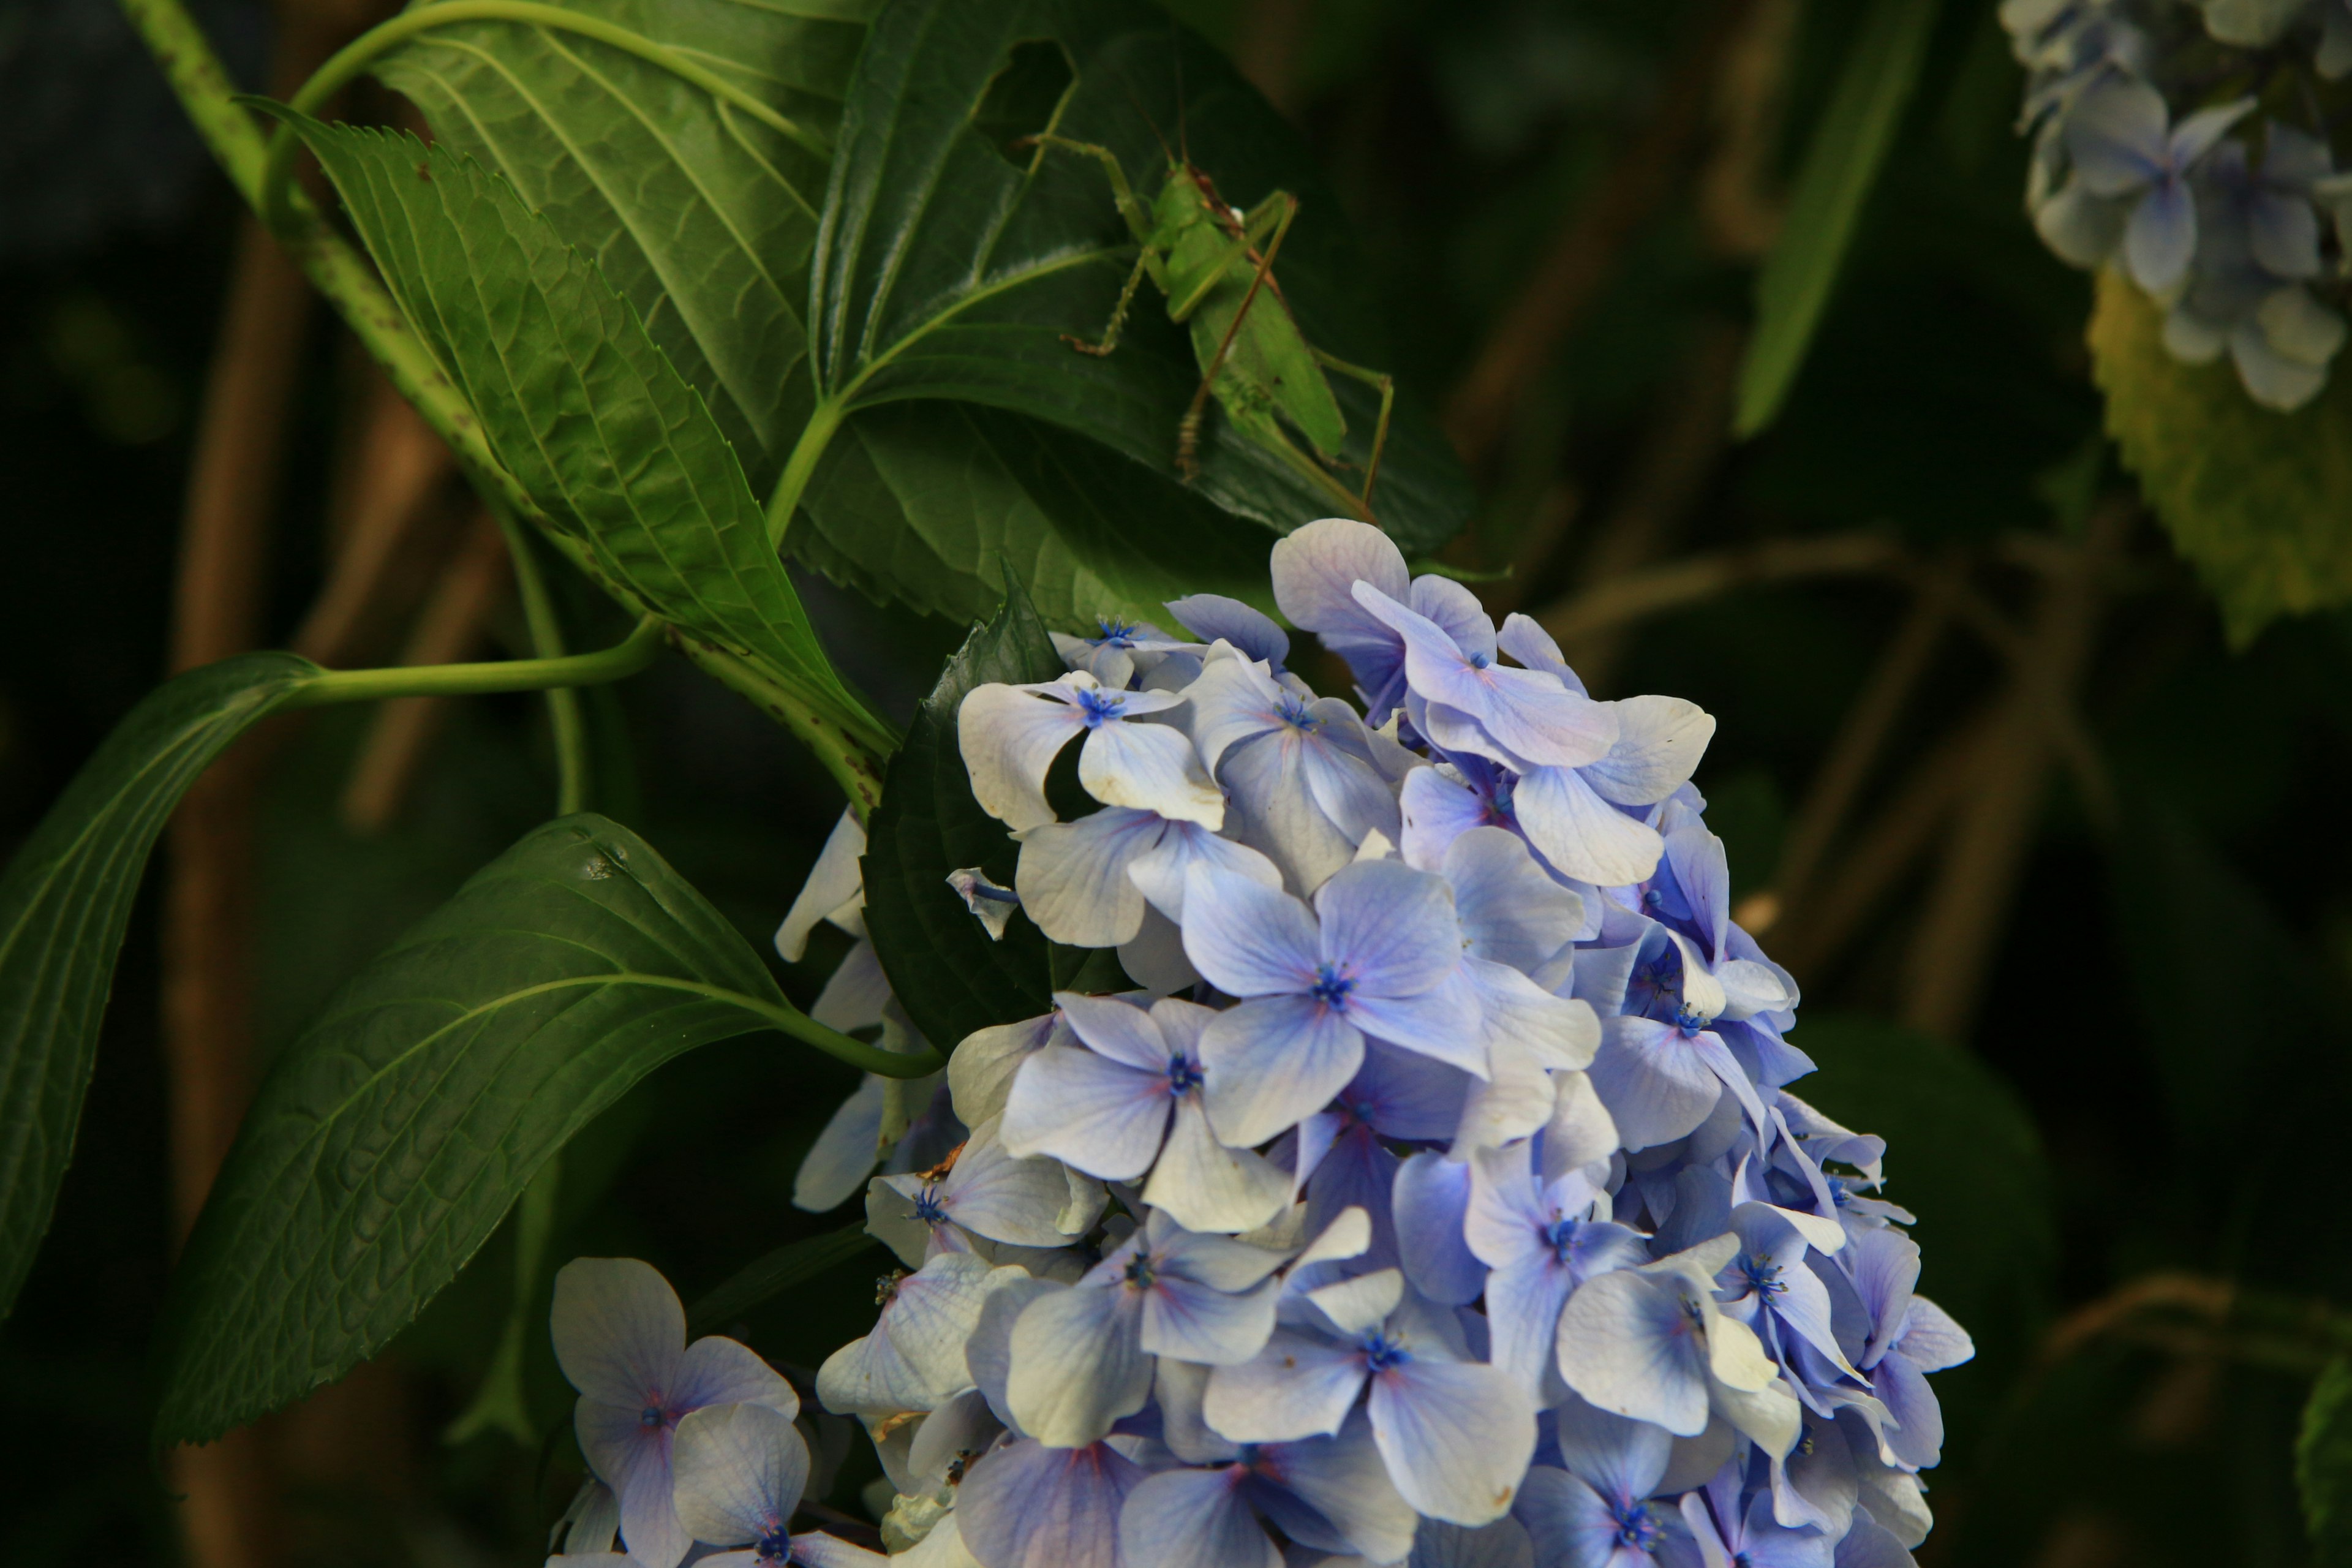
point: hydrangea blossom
(2149, 156)
(1435, 1190)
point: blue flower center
(1688, 1022)
(1560, 1236)
(1637, 1527)
(1480, 662)
(1382, 1354)
(1762, 1278)
(1099, 706)
(651, 1416)
(1183, 1074)
(1115, 634)
(1140, 1274)
(1839, 1194)
(776, 1546)
(1331, 986)
(928, 1207)
(1292, 711)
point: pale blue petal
(1299, 1385)
(1436, 810)
(1570, 1524)
(1194, 1519)
(1455, 611)
(1447, 1024)
(1457, 1437)
(1213, 617)
(1028, 1506)
(988, 1351)
(2160, 240)
(2285, 230)
(846, 1152)
(1073, 879)
(1275, 814)
(1153, 766)
(716, 1370)
(1529, 712)
(1524, 1298)
(1247, 939)
(1126, 1034)
(1869, 1544)
(1271, 1062)
(1161, 872)
(1404, 1094)
(1217, 1261)
(1195, 1322)
(835, 889)
(619, 1331)
(1581, 834)
(1528, 642)
(2270, 378)
(1660, 741)
(1504, 1217)
(814, 1549)
(1389, 928)
(1430, 1197)
(2116, 136)
(2199, 133)
(1917, 1434)
(1511, 912)
(1344, 1480)
(1616, 1457)
(1009, 738)
(1502, 1544)
(1232, 703)
(1703, 872)
(1208, 1186)
(1078, 1364)
(1026, 1202)
(1655, 1086)
(1625, 1345)
(1099, 1115)
(1930, 1340)
(740, 1469)
(1344, 785)
(1315, 567)
(634, 1459)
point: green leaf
(576, 400)
(700, 215)
(1961, 1154)
(2323, 1466)
(64, 904)
(951, 264)
(2260, 502)
(1840, 164)
(982, 492)
(765, 1278)
(390, 1138)
(943, 969)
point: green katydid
(1215, 265)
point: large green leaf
(2260, 502)
(943, 969)
(950, 265)
(388, 1140)
(982, 492)
(63, 906)
(1842, 163)
(2323, 1466)
(699, 214)
(576, 400)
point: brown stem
(394, 491)
(1273, 36)
(1740, 205)
(450, 628)
(1952, 949)
(1584, 252)
(1698, 578)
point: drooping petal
(1029, 1506)
(619, 1329)
(1582, 834)
(1208, 1186)
(1315, 567)
(739, 1471)
(1153, 766)
(1213, 617)
(981, 1070)
(1625, 1345)
(856, 994)
(634, 1459)
(1457, 1437)
(1100, 1115)
(1194, 1519)
(1025, 1202)
(1660, 741)
(1078, 1364)
(1432, 1196)
(1073, 879)
(1274, 1061)
(1248, 939)
(835, 890)
(846, 1152)
(1008, 739)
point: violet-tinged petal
(1274, 1061)
(1530, 712)
(717, 1370)
(1315, 567)
(740, 1469)
(1161, 871)
(1511, 912)
(1391, 927)
(856, 994)
(1275, 813)
(1125, 1034)
(1455, 611)
(634, 1459)
(1457, 1437)
(1626, 1346)
(1213, 617)
(1446, 1024)
(1208, 1186)
(1151, 766)
(1501, 1544)
(2116, 136)
(1524, 1298)
(1616, 1457)
(1247, 939)
(1025, 1202)
(846, 1152)
(1029, 1506)
(2160, 240)
(1582, 834)
(1073, 876)
(1193, 1321)
(1870, 1544)
(1436, 810)
(1931, 1341)
(1432, 1196)
(815, 1549)
(835, 890)
(1194, 1519)
(1299, 1385)
(1009, 738)
(1660, 741)
(1078, 1364)
(1343, 1479)
(1100, 1115)
(1572, 1526)
(1656, 1088)
(619, 1329)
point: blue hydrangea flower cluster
(1434, 1194)
(2187, 142)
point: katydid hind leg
(1385, 384)
(1188, 429)
(1118, 315)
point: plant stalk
(621, 659)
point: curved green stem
(824, 420)
(621, 659)
(348, 62)
(567, 719)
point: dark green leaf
(1961, 1153)
(2259, 501)
(981, 492)
(700, 215)
(63, 906)
(2323, 1466)
(1842, 163)
(388, 1140)
(950, 265)
(944, 970)
(765, 1278)
(576, 400)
